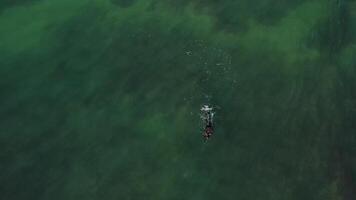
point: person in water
(208, 118)
(209, 130)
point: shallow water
(101, 99)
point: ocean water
(100, 99)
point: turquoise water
(100, 99)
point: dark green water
(99, 99)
